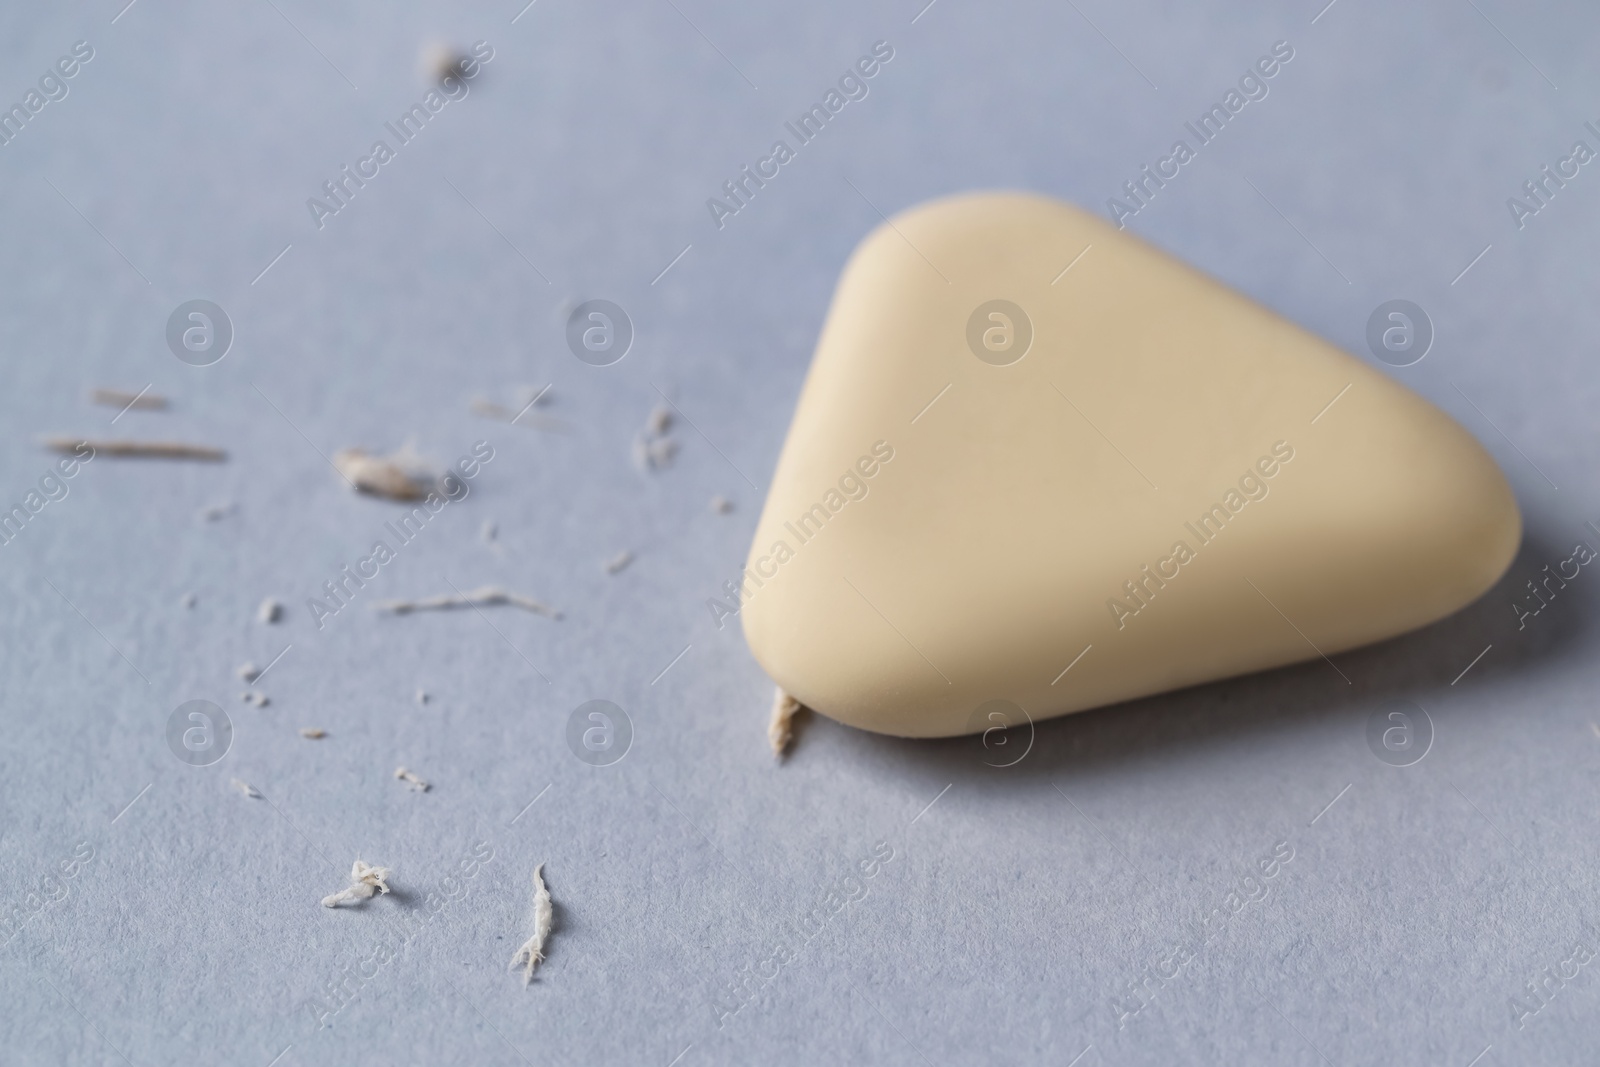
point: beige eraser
(1071, 487)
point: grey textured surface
(1022, 910)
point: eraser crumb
(484, 596)
(531, 954)
(143, 400)
(652, 448)
(439, 61)
(137, 449)
(521, 415)
(780, 728)
(365, 881)
(401, 475)
(410, 778)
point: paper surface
(1031, 914)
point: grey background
(1023, 903)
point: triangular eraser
(1070, 487)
